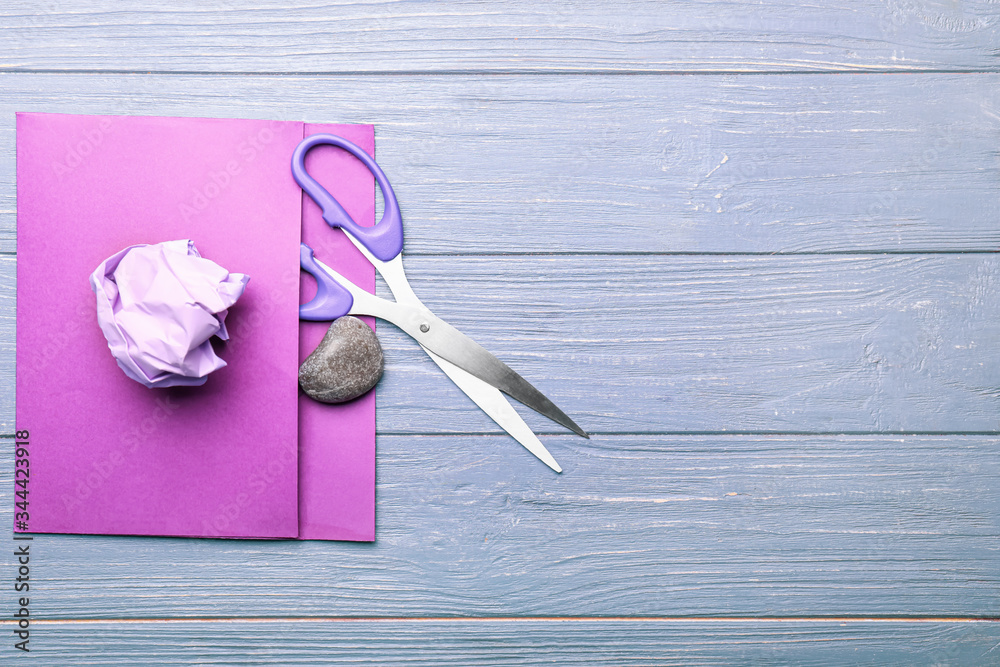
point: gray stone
(347, 363)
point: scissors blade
(445, 340)
(439, 337)
(492, 402)
(482, 364)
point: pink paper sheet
(337, 485)
(227, 459)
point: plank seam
(695, 434)
(506, 72)
(517, 619)
(683, 434)
(706, 253)
(683, 253)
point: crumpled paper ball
(158, 305)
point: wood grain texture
(612, 164)
(691, 526)
(563, 35)
(495, 643)
(745, 344)
(665, 344)
(603, 220)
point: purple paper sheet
(337, 470)
(226, 459)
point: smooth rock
(347, 363)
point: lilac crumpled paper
(158, 305)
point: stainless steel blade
(446, 341)
(493, 403)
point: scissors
(479, 374)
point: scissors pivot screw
(424, 328)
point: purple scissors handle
(332, 299)
(384, 240)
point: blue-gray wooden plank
(473, 526)
(517, 642)
(613, 164)
(818, 343)
(899, 527)
(561, 35)
(650, 344)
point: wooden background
(750, 246)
